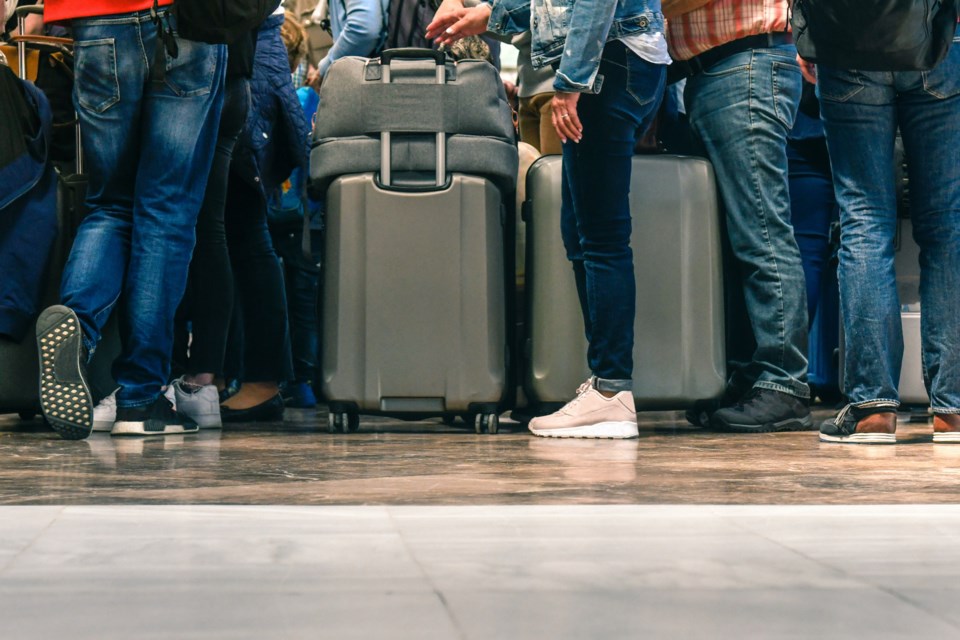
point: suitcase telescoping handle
(22, 13)
(386, 58)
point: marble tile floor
(422, 530)
(390, 462)
(479, 572)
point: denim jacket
(574, 32)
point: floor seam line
(9, 564)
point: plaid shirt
(723, 21)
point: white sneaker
(590, 415)
(201, 405)
(105, 413)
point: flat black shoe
(763, 410)
(155, 419)
(65, 397)
(269, 411)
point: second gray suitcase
(679, 354)
(414, 301)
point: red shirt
(56, 10)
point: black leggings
(208, 301)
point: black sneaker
(872, 423)
(65, 397)
(154, 419)
(702, 411)
(763, 410)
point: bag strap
(165, 40)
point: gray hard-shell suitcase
(679, 354)
(19, 363)
(416, 290)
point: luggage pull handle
(386, 58)
(21, 39)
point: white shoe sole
(103, 425)
(862, 438)
(604, 430)
(139, 429)
(949, 437)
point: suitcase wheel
(487, 423)
(27, 416)
(343, 422)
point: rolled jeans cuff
(800, 390)
(612, 386)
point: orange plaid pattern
(723, 21)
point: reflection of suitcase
(679, 344)
(416, 263)
(18, 359)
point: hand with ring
(564, 116)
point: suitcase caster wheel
(449, 419)
(486, 423)
(341, 422)
(27, 416)
(353, 422)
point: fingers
(563, 114)
(808, 69)
(442, 22)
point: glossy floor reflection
(427, 463)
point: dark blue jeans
(148, 148)
(595, 218)
(741, 110)
(861, 112)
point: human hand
(511, 90)
(563, 109)
(808, 69)
(460, 23)
(314, 79)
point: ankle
(198, 379)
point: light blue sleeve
(590, 24)
(358, 27)
(509, 17)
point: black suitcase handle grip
(33, 9)
(413, 53)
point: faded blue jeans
(861, 112)
(741, 110)
(148, 148)
(595, 215)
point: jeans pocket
(787, 86)
(644, 79)
(943, 81)
(97, 85)
(193, 71)
(838, 85)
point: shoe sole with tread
(65, 397)
(861, 438)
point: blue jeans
(595, 216)
(148, 148)
(741, 110)
(861, 112)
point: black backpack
(220, 21)
(875, 35)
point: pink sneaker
(590, 415)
